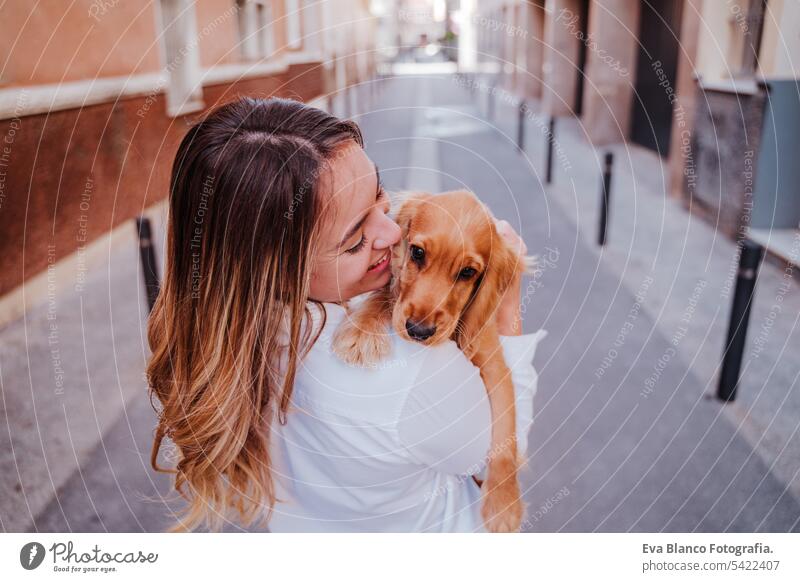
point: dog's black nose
(419, 331)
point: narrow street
(626, 436)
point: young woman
(277, 218)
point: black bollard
(523, 108)
(605, 198)
(749, 260)
(148, 256)
(551, 136)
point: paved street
(626, 436)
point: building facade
(688, 80)
(95, 96)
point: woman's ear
(502, 267)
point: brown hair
(225, 331)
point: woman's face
(357, 234)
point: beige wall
(534, 48)
(55, 41)
(517, 44)
(780, 43)
(218, 32)
(281, 39)
(506, 42)
(610, 69)
(560, 57)
(719, 53)
(680, 153)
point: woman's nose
(389, 234)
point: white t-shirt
(390, 447)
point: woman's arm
(445, 422)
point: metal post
(148, 256)
(749, 260)
(490, 103)
(605, 198)
(551, 136)
(523, 108)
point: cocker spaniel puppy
(450, 273)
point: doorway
(583, 20)
(659, 38)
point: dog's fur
(455, 232)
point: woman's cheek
(353, 269)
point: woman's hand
(509, 319)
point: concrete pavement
(625, 438)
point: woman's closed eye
(380, 197)
(359, 245)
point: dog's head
(451, 268)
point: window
(265, 33)
(311, 32)
(182, 59)
(248, 43)
(257, 38)
(293, 24)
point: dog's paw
(358, 347)
(502, 508)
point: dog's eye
(466, 273)
(417, 254)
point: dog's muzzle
(419, 331)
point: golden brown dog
(450, 272)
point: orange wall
(217, 32)
(81, 172)
(58, 41)
(55, 41)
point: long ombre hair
(227, 328)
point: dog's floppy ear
(503, 266)
(405, 205)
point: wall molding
(39, 99)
